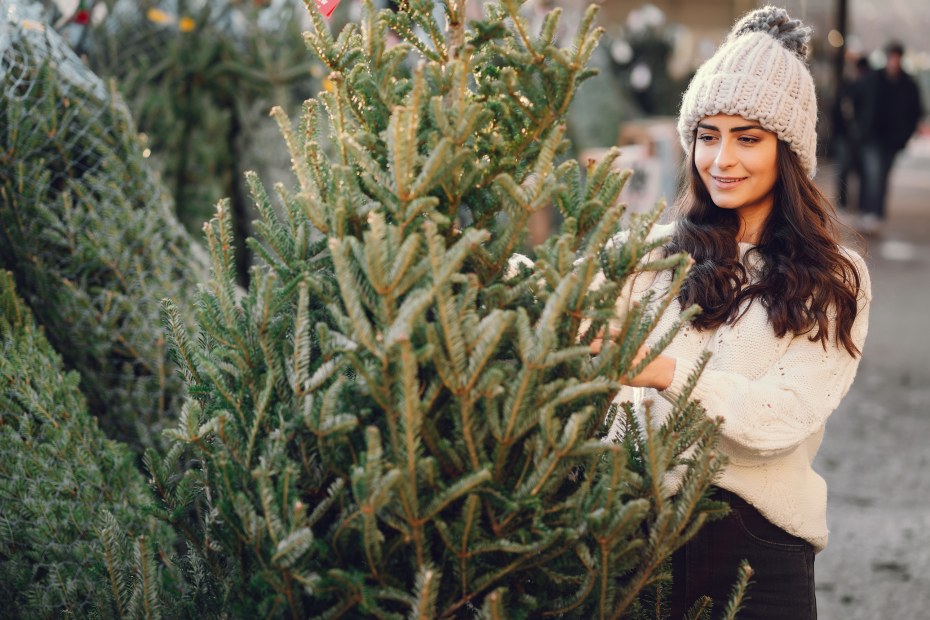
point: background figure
(848, 111)
(890, 117)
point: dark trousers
(847, 157)
(877, 161)
(782, 587)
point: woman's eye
(748, 139)
(706, 137)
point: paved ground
(875, 456)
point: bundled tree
(399, 419)
(67, 493)
(87, 230)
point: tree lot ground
(875, 457)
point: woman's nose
(725, 156)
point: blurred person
(785, 313)
(847, 115)
(892, 111)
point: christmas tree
(400, 417)
(87, 230)
(71, 498)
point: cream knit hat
(760, 73)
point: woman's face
(737, 161)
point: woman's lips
(728, 182)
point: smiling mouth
(728, 180)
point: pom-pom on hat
(760, 73)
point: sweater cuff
(679, 379)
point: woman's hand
(657, 374)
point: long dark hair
(804, 277)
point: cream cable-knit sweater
(774, 395)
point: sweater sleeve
(771, 415)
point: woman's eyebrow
(732, 129)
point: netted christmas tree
(400, 417)
(71, 500)
(87, 230)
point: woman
(785, 312)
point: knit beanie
(760, 73)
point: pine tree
(88, 231)
(399, 418)
(71, 500)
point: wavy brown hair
(804, 275)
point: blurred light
(641, 77)
(621, 51)
(835, 38)
(646, 17)
(147, 153)
(158, 16)
(98, 13)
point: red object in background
(327, 6)
(82, 17)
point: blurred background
(200, 76)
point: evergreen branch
(426, 592)
(380, 181)
(701, 609)
(146, 593)
(372, 34)
(348, 287)
(601, 172)
(413, 307)
(422, 11)
(177, 332)
(493, 607)
(402, 139)
(319, 40)
(376, 256)
(433, 168)
(422, 206)
(333, 493)
(413, 420)
(587, 37)
(549, 28)
(221, 243)
(738, 592)
(258, 419)
(462, 486)
(291, 548)
(300, 362)
(513, 10)
(372, 489)
(546, 325)
(299, 162)
(444, 366)
(399, 278)
(114, 544)
(401, 23)
(490, 332)
(269, 503)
